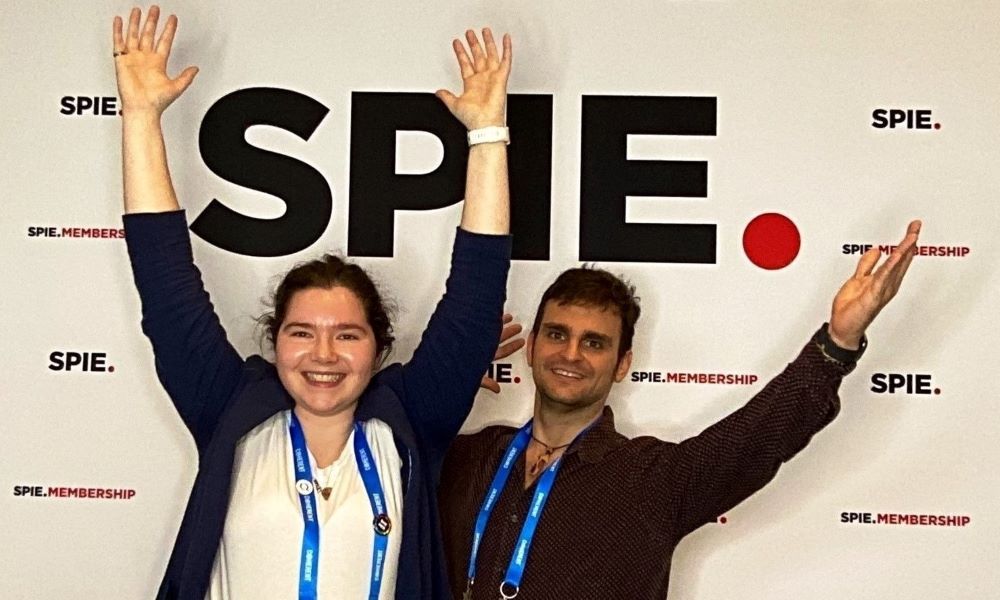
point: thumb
(447, 98)
(490, 384)
(185, 78)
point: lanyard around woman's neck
(309, 562)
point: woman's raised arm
(146, 91)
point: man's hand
(484, 77)
(505, 349)
(141, 64)
(866, 293)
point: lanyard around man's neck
(511, 584)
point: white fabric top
(261, 546)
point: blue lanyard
(511, 584)
(308, 564)
(380, 522)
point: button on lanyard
(511, 584)
(308, 564)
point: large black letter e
(607, 177)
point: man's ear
(529, 348)
(623, 366)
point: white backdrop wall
(796, 86)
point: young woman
(317, 473)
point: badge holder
(509, 590)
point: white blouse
(261, 545)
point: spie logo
(502, 373)
(903, 118)
(904, 383)
(87, 362)
(94, 106)
(378, 192)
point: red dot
(937, 126)
(937, 390)
(771, 241)
(111, 369)
(517, 380)
(722, 520)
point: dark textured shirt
(620, 506)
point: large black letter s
(308, 199)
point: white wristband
(486, 135)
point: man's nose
(571, 351)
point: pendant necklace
(324, 490)
(542, 461)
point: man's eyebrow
(587, 335)
(593, 335)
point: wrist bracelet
(831, 351)
(487, 135)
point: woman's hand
(483, 102)
(141, 64)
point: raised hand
(865, 294)
(484, 78)
(505, 349)
(141, 64)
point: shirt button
(513, 518)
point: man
(588, 513)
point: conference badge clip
(382, 524)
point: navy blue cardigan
(220, 396)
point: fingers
(900, 258)
(491, 47)
(911, 237)
(117, 41)
(508, 53)
(144, 39)
(507, 345)
(481, 60)
(510, 330)
(490, 384)
(896, 277)
(464, 62)
(166, 41)
(132, 37)
(867, 262)
(907, 249)
(509, 348)
(478, 56)
(149, 29)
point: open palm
(865, 294)
(141, 63)
(484, 81)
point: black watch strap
(834, 352)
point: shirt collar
(601, 439)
